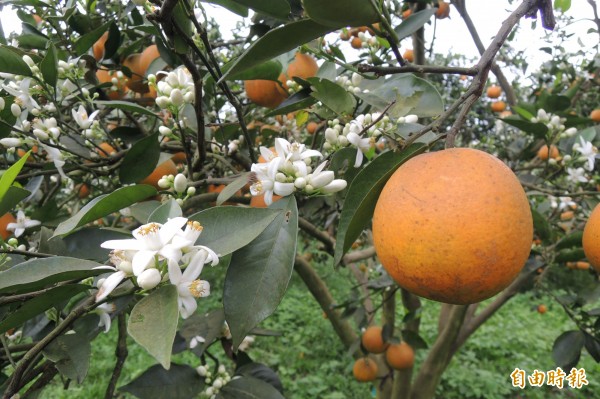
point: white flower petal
(109, 285)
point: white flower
(10, 142)
(576, 175)
(294, 151)
(588, 152)
(194, 343)
(319, 177)
(566, 202)
(21, 93)
(188, 287)
(103, 311)
(55, 156)
(150, 240)
(185, 240)
(22, 223)
(110, 283)
(363, 145)
(81, 117)
(265, 179)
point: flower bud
(201, 370)
(125, 266)
(300, 183)
(334, 186)
(180, 183)
(163, 183)
(172, 79)
(322, 179)
(189, 97)
(13, 242)
(162, 102)
(15, 110)
(28, 61)
(2, 103)
(164, 130)
(411, 119)
(356, 79)
(10, 142)
(331, 135)
(149, 279)
(176, 97)
(40, 134)
(191, 191)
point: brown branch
(421, 69)
(321, 293)
(49, 371)
(320, 235)
(439, 356)
(121, 353)
(25, 253)
(511, 98)
(356, 256)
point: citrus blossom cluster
(156, 252)
(289, 169)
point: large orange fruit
(4, 221)
(98, 47)
(400, 356)
(365, 369)
(105, 76)
(265, 93)
(304, 66)
(454, 226)
(591, 238)
(372, 340)
(136, 81)
(166, 168)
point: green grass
(312, 363)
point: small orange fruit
(83, 191)
(436, 228)
(345, 35)
(581, 265)
(406, 13)
(595, 115)
(356, 43)
(372, 340)
(106, 150)
(311, 127)
(365, 369)
(544, 152)
(498, 106)
(443, 10)
(542, 309)
(409, 55)
(494, 91)
(568, 215)
(179, 157)
(400, 356)
(166, 168)
(4, 221)
(105, 76)
(98, 48)
(591, 238)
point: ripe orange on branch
(443, 10)
(400, 356)
(365, 369)
(4, 221)
(494, 91)
(453, 226)
(544, 152)
(498, 106)
(372, 340)
(595, 115)
(591, 238)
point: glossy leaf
(40, 304)
(259, 273)
(49, 66)
(127, 106)
(142, 210)
(567, 349)
(85, 42)
(570, 255)
(538, 129)
(85, 243)
(11, 62)
(153, 323)
(556, 103)
(141, 160)
(274, 8)
(71, 355)
(105, 205)
(249, 388)
(299, 100)
(166, 211)
(232, 6)
(7, 116)
(229, 228)
(112, 42)
(208, 326)
(232, 188)
(574, 239)
(269, 70)
(592, 345)
(541, 226)
(39, 273)
(341, 13)
(179, 382)
(11, 174)
(261, 372)
(332, 95)
(13, 196)
(277, 41)
(363, 193)
(416, 21)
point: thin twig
(422, 69)
(121, 353)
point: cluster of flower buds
(289, 169)
(159, 252)
(350, 84)
(176, 89)
(213, 383)
(554, 123)
(362, 132)
(179, 185)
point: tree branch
(121, 353)
(421, 69)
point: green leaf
(570, 255)
(229, 228)
(105, 205)
(332, 95)
(180, 18)
(13, 196)
(85, 243)
(11, 174)
(341, 13)
(127, 106)
(71, 355)
(275, 42)
(49, 66)
(538, 129)
(206, 325)
(556, 103)
(567, 349)
(412, 95)
(112, 42)
(261, 372)
(85, 42)
(141, 160)
(153, 323)
(249, 388)
(295, 102)
(523, 111)
(36, 274)
(269, 70)
(572, 240)
(232, 6)
(12, 62)
(363, 193)
(259, 273)
(40, 304)
(541, 226)
(414, 23)
(166, 211)
(179, 382)
(233, 188)
(7, 116)
(142, 210)
(273, 8)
